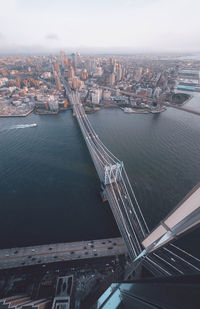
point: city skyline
(99, 26)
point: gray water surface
(49, 187)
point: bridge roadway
(131, 223)
(51, 253)
(117, 193)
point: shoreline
(135, 111)
(46, 112)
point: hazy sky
(132, 25)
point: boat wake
(19, 126)
(23, 126)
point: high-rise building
(99, 71)
(71, 72)
(84, 74)
(62, 57)
(78, 60)
(119, 72)
(74, 59)
(56, 66)
(70, 63)
(112, 79)
(18, 82)
(138, 74)
(88, 65)
(58, 83)
(75, 82)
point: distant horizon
(100, 51)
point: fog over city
(99, 26)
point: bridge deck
(51, 253)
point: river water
(49, 189)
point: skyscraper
(62, 57)
(74, 59)
(71, 72)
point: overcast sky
(132, 25)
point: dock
(51, 253)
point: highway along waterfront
(50, 189)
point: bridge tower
(112, 173)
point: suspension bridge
(166, 261)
